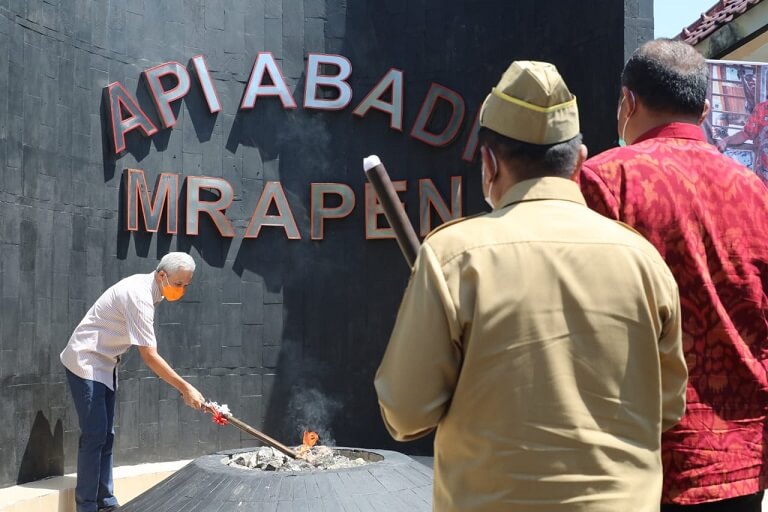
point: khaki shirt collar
(537, 189)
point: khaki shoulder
(453, 222)
(627, 226)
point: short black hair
(667, 76)
(536, 161)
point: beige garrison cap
(531, 103)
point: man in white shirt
(123, 316)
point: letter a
(120, 101)
(265, 63)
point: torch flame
(310, 438)
(308, 441)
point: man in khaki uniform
(541, 340)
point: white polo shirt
(123, 316)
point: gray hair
(175, 261)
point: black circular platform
(396, 483)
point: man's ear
(486, 160)
(580, 159)
(705, 112)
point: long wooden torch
(223, 416)
(393, 209)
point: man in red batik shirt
(708, 217)
(756, 128)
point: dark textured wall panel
(287, 332)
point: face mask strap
(495, 171)
(618, 110)
(626, 121)
(495, 164)
(167, 281)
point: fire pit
(376, 480)
(318, 458)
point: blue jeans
(95, 405)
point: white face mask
(490, 186)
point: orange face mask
(170, 292)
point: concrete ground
(55, 494)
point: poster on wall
(738, 120)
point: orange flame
(308, 441)
(310, 438)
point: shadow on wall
(44, 455)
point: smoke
(309, 409)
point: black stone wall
(288, 333)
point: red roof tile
(717, 16)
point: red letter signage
(214, 209)
(273, 193)
(393, 79)
(265, 63)
(160, 96)
(471, 147)
(206, 84)
(320, 212)
(164, 198)
(373, 210)
(429, 198)
(337, 81)
(122, 103)
(451, 129)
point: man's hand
(193, 398)
(722, 144)
(732, 140)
